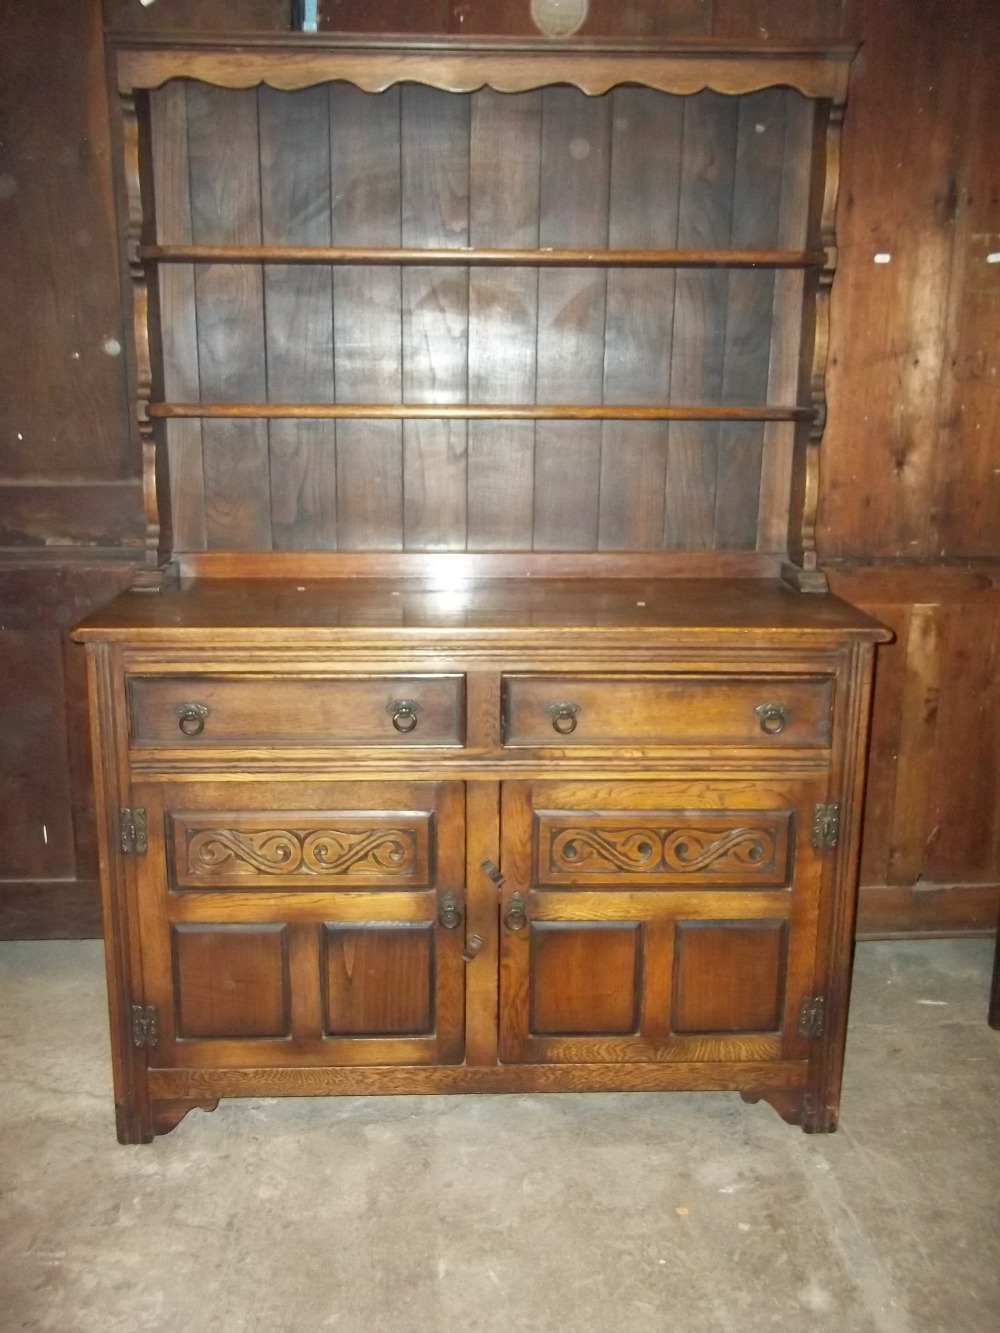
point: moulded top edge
(298, 41)
(296, 61)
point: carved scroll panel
(292, 849)
(639, 848)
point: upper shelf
(478, 412)
(296, 60)
(478, 256)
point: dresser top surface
(292, 612)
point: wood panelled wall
(910, 503)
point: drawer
(667, 710)
(203, 711)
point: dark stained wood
(963, 791)
(378, 981)
(768, 19)
(318, 712)
(500, 256)
(164, 1115)
(645, 167)
(889, 456)
(298, 305)
(311, 892)
(597, 365)
(791, 1106)
(223, 133)
(313, 1081)
(178, 314)
(590, 859)
(573, 204)
(272, 642)
(434, 156)
(757, 196)
(445, 568)
(651, 710)
(931, 854)
(919, 708)
(504, 182)
(509, 411)
(34, 775)
(643, 849)
(365, 200)
(728, 977)
(50, 910)
(891, 204)
(231, 981)
(48, 870)
(816, 70)
(46, 516)
(606, 17)
(63, 396)
(752, 19)
(666, 610)
(197, 16)
(584, 979)
(880, 843)
(926, 911)
(787, 323)
(705, 219)
(965, 482)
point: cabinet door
(657, 921)
(303, 924)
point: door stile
(483, 834)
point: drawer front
(667, 710)
(205, 711)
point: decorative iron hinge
(132, 830)
(145, 1026)
(812, 1017)
(826, 827)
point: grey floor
(629, 1213)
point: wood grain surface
(879, 328)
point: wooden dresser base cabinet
(501, 733)
(531, 895)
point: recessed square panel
(379, 979)
(231, 981)
(585, 979)
(729, 976)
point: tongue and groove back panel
(417, 167)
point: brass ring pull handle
(772, 718)
(450, 911)
(563, 717)
(192, 718)
(516, 917)
(404, 714)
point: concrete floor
(630, 1213)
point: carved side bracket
(805, 574)
(152, 575)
